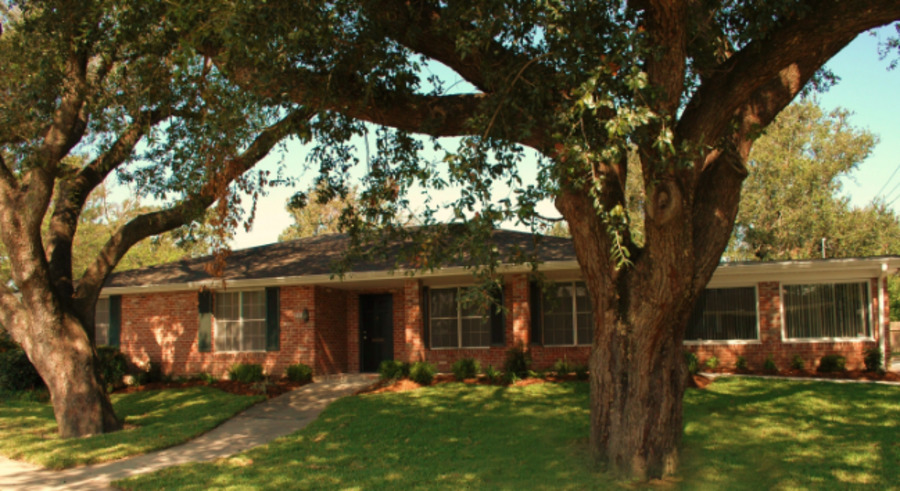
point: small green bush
(832, 363)
(740, 363)
(492, 374)
(872, 359)
(393, 369)
(466, 368)
(112, 365)
(797, 363)
(247, 373)
(511, 378)
(769, 365)
(562, 367)
(518, 362)
(712, 363)
(17, 373)
(422, 372)
(151, 375)
(299, 373)
(581, 372)
(692, 362)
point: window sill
(723, 342)
(829, 340)
(449, 348)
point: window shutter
(535, 307)
(426, 319)
(498, 327)
(204, 332)
(273, 318)
(115, 319)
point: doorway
(376, 330)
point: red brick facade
(163, 327)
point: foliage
(465, 368)
(317, 212)
(712, 363)
(797, 363)
(581, 372)
(563, 367)
(299, 373)
(692, 362)
(152, 373)
(769, 365)
(16, 371)
(493, 375)
(872, 358)
(832, 363)
(740, 363)
(112, 365)
(157, 419)
(393, 369)
(518, 362)
(532, 437)
(422, 372)
(246, 372)
(6, 342)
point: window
(567, 316)
(101, 322)
(724, 314)
(456, 324)
(839, 310)
(240, 319)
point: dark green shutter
(204, 332)
(426, 321)
(498, 326)
(273, 318)
(115, 319)
(535, 307)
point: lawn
(154, 419)
(739, 434)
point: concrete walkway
(257, 425)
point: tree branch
(6, 175)
(158, 222)
(665, 22)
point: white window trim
(574, 318)
(241, 305)
(854, 339)
(725, 342)
(459, 318)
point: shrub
(581, 372)
(562, 367)
(832, 363)
(6, 342)
(518, 362)
(693, 363)
(299, 373)
(247, 373)
(493, 374)
(151, 375)
(393, 370)
(797, 363)
(17, 373)
(769, 365)
(422, 372)
(112, 365)
(466, 368)
(740, 363)
(872, 359)
(712, 363)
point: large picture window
(724, 314)
(456, 324)
(566, 315)
(839, 310)
(240, 320)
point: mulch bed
(848, 375)
(273, 388)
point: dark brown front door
(376, 326)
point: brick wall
(331, 331)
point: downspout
(882, 337)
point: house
(279, 304)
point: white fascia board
(794, 272)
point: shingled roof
(314, 256)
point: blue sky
(867, 88)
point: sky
(867, 88)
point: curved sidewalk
(257, 425)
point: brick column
(414, 344)
(518, 325)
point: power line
(888, 180)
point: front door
(376, 327)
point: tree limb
(158, 222)
(6, 175)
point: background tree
(107, 79)
(316, 213)
(686, 85)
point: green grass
(154, 419)
(739, 434)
